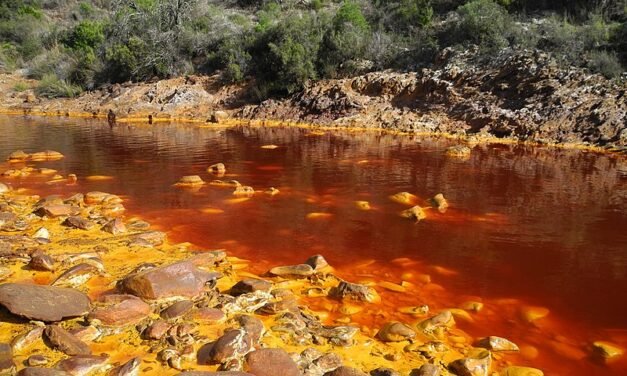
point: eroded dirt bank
(522, 96)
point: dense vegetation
(72, 45)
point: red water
(526, 225)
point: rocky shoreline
(86, 290)
(522, 96)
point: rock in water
(43, 303)
(271, 362)
(64, 341)
(427, 370)
(522, 371)
(346, 371)
(395, 332)
(250, 285)
(353, 291)
(232, 344)
(475, 366)
(35, 371)
(497, 344)
(178, 279)
(130, 368)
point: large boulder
(178, 279)
(43, 303)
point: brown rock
(41, 261)
(209, 314)
(328, 362)
(130, 368)
(317, 262)
(426, 370)
(207, 258)
(395, 332)
(353, 291)
(217, 168)
(156, 330)
(271, 362)
(75, 275)
(250, 285)
(177, 309)
(25, 339)
(190, 180)
(302, 270)
(94, 197)
(36, 371)
(82, 365)
(495, 343)
(475, 366)
(115, 227)
(120, 310)
(154, 238)
(37, 360)
(18, 155)
(43, 303)
(7, 365)
(87, 333)
(346, 371)
(56, 210)
(62, 340)
(178, 279)
(78, 222)
(252, 326)
(217, 373)
(232, 344)
(384, 371)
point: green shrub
(605, 63)
(485, 23)
(85, 36)
(52, 87)
(21, 86)
(9, 57)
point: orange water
(527, 226)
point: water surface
(542, 226)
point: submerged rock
(130, 368)
(244, 190)
(426, 370)
(217, 168)
(346, 371)
(178, 279)
(439, 202)
(44, 303)
(36, 371)
(64, 341)
(606, 351)
(458, 151)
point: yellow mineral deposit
(318, 215)
(533, 313)
(98, 178)
(269, 147)
(190, 181)
(363, 205)
(212, 210)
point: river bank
(524, 97)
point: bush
(484, 23)
(9, 57)
(344, 42)
(284, 56)
(20, 86)
(605, 63)
(52, 87)
(85, 36)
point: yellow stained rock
(350, 309)
(461, 314)
(269, 147)
(522, 371)
(362, 205)
(392, 286)
(271, 191)
(444, 271)
(404, 198)
(415, 212)
(238, 200)
(318, 215)
(606, 350)
(190, 180)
